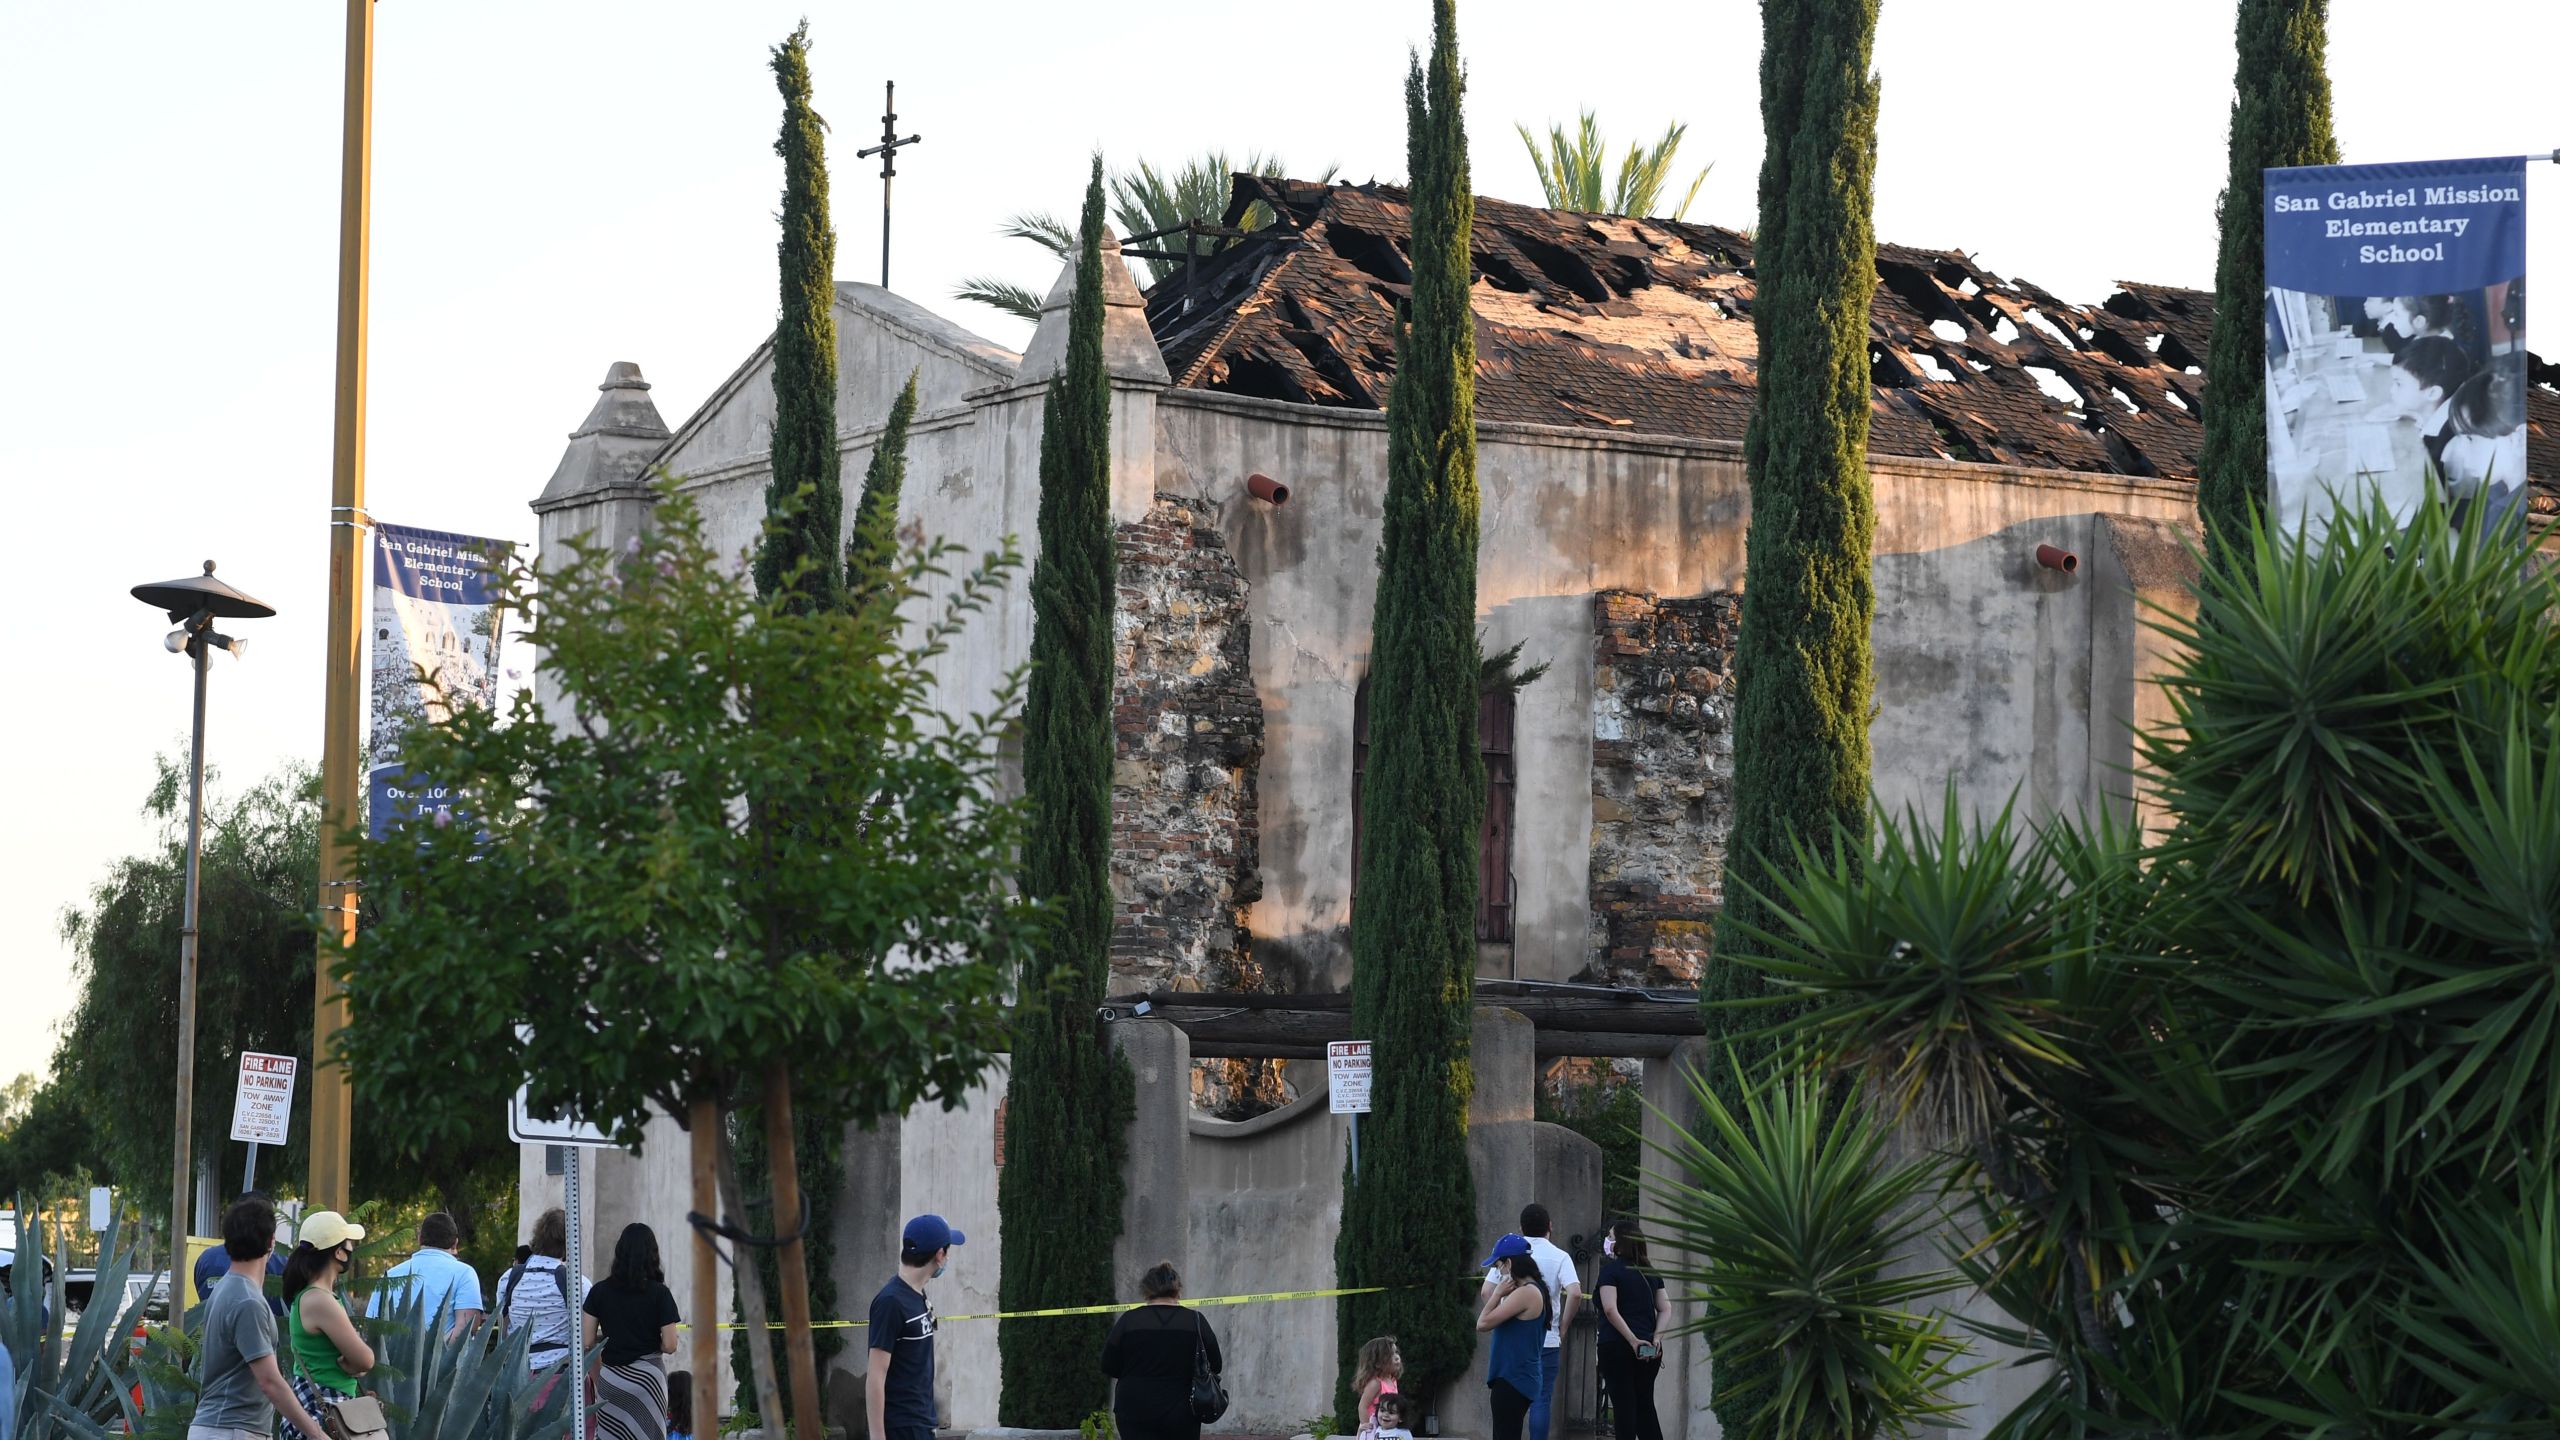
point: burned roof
(1644, 326)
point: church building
(2033, 467)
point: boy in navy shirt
(898, 1393)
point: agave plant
(1803, 1223)
(1573, 170)
(71, 1386)
(438, 1385)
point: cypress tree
(804, 501)
(1407, 1224)
(1803, 661)
(2279, 116)
(1070, 1095)
(797, 558)
(872, 550)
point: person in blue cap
(1514, 1311)
(898, 1392)
(215, 1263)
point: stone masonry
(1661, 783)
(1186, 821)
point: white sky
(559, 186)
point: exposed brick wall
(1186, 823)
(1661, 783)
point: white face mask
(1609, 1245)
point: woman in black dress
(1150, 1353)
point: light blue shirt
(439, 1275)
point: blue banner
(2395, 339)
(436, 639)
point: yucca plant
(1802, 1219)
(75, 1385)
(2259, 1117)
(1573, 171)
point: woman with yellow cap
(328, 1354)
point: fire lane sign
(263, 1105)
(1346, 1074)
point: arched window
(1494, 713)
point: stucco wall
(1986, 664)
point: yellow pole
(331, 1117)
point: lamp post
(194, 603)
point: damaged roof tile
(1644, 326)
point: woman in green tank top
(328, 1354)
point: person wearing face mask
(328, 1354)
(898, 1391)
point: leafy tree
(607, 888)
(870, 574)
(1070, 1096)
(1803, 662)
(2279, 116)
(1143, 201)
(805, 496)
(2261, 1117)
(106, 1109)
(1573, 170)
(1407, 1225)
(1608, 1111)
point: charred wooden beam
(1570, 1020)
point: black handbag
(1208, 1392)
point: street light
(194, 603)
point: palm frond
(1017, 300)
(1043, 229)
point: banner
(435, 649)
(2395, 339)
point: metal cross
(887, 150)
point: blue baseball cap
(1506, 1247)
(931, 1232)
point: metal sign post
(576, 1137)
(577, 1376)
(261, 1106)
(1346, 1074)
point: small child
(680, 1405)
(1381, 1366)
(1393, 1422)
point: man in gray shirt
(239, 1387)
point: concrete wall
(1265, 1203)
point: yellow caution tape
(1111, 1309)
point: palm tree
(1143, 201)
(1573, 169)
